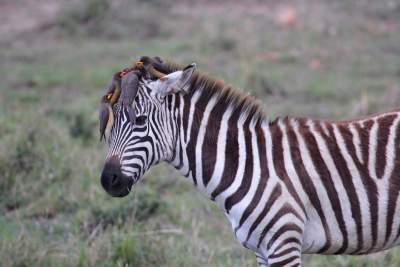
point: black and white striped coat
(290, 186)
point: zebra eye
(116, 107)
(140, 120)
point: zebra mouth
(114, 182)
(133, 181)
(135, 177)
(120, 187)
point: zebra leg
(288, 257)
(262, 262)
(283, 252)
(281, 260)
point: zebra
(290, 186)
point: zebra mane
(226, 95)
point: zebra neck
(219, 149)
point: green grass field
(338, 59)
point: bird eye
(141, 120)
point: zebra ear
(176, 82)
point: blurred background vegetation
(319, 58)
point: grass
(341, 60)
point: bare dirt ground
(18, 17)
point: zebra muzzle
(113, 180)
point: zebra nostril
(114, 180)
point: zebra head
(140, 127)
